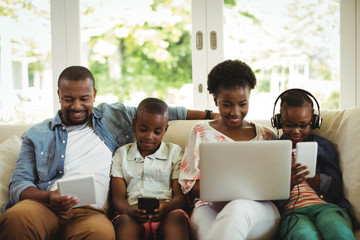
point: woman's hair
(153, 106)
(230, 74)
(76, 73)
(295, 98)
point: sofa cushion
(342, 129)
(348, 145)
(9, 151)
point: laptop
(254, 170)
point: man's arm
(181, 113)
(195, 190)
(196, 114)
(58, 204)
(36, 194)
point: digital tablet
(306, 154)
(82, 187)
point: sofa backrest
(342, 129)
(8, 130)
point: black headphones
(316, 119)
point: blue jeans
(319, 221)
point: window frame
(349, 53)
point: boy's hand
(297, 174)
(159, 213)
(138, 214)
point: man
(80, 139)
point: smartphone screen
(306, 154)
(148, 203)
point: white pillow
(9, 151)
(348, 144)
(342, 129)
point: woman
(230, 82)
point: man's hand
(62, 205)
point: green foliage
(229, 3)
(263, 85)
(251, 16)
(332, 102)
(152, 64)
(101, 75)
(320, 69)
(313, 33)
(11, 8)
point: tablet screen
(82, 186)
(306, 154)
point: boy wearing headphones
(317, 208)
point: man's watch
(208, 114)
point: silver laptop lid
(255, 170)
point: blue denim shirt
(42, 153)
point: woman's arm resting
(195, 191)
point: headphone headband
(276, 121)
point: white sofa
(340, 127)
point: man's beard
(73, 123)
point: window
(138, 49)
(169, 55)
(25, 61)
(288, 44)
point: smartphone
(148, 203)
(306, 154)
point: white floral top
(203, 132)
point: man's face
(76, 99)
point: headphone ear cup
(276, 121)
(316, 121)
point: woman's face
(233, 105)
